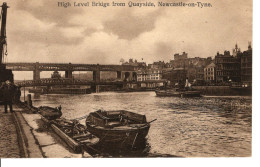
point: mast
(3, 31)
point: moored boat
(179, 93)
(171, 92)
(118, 126)
(50, 113)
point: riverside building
(209, 73)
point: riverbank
(24, 135)
(50, 143)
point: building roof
(210, 65)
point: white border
(159, 162)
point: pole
(24, 92)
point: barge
(74, 134)
(175, 93)
(118, 127)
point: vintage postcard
(126, 78)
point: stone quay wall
(222, 91)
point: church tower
(236, 50)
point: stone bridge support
(36, 72)
(96, 76)
(68, 74)
(128, 76)
(119, 75)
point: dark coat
(6, 92)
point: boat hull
(49, 112)
(165, 93)
(128, 137)
(131, 129)
(168, 93)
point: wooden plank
(74, 145)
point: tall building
(175, 76)
(227, 67)
(183, 56)
(149, 74)
(180, 61)
(246, 66)
(209, 73)
(236, 51)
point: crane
(5, 74)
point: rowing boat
(118, 126)
(50, 113)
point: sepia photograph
(126, 79)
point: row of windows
(228, 73)
(226, 60)
(149, 72)
(209, 78)
(246, 65)
(208, 73)
(246, 59)
(246, 71)
(144, 79)
(209, 69)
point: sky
(40, 31)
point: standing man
(7, 90)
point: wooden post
(24, 93)
(97, 88)
(29, 100)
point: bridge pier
(134, 76)
(96, 76)
(119, 75)
(36, 75)
(36, 72)
(128, 76)
(68, 74)
(131, 76)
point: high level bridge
(123, 71)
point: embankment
(223, 91)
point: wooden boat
(177, 93)
(167, 93)
(49, 112)
(73, 133)
(119, 126)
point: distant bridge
(123, 71)
(64, 81)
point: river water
(185, 127)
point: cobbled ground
(9, 147)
